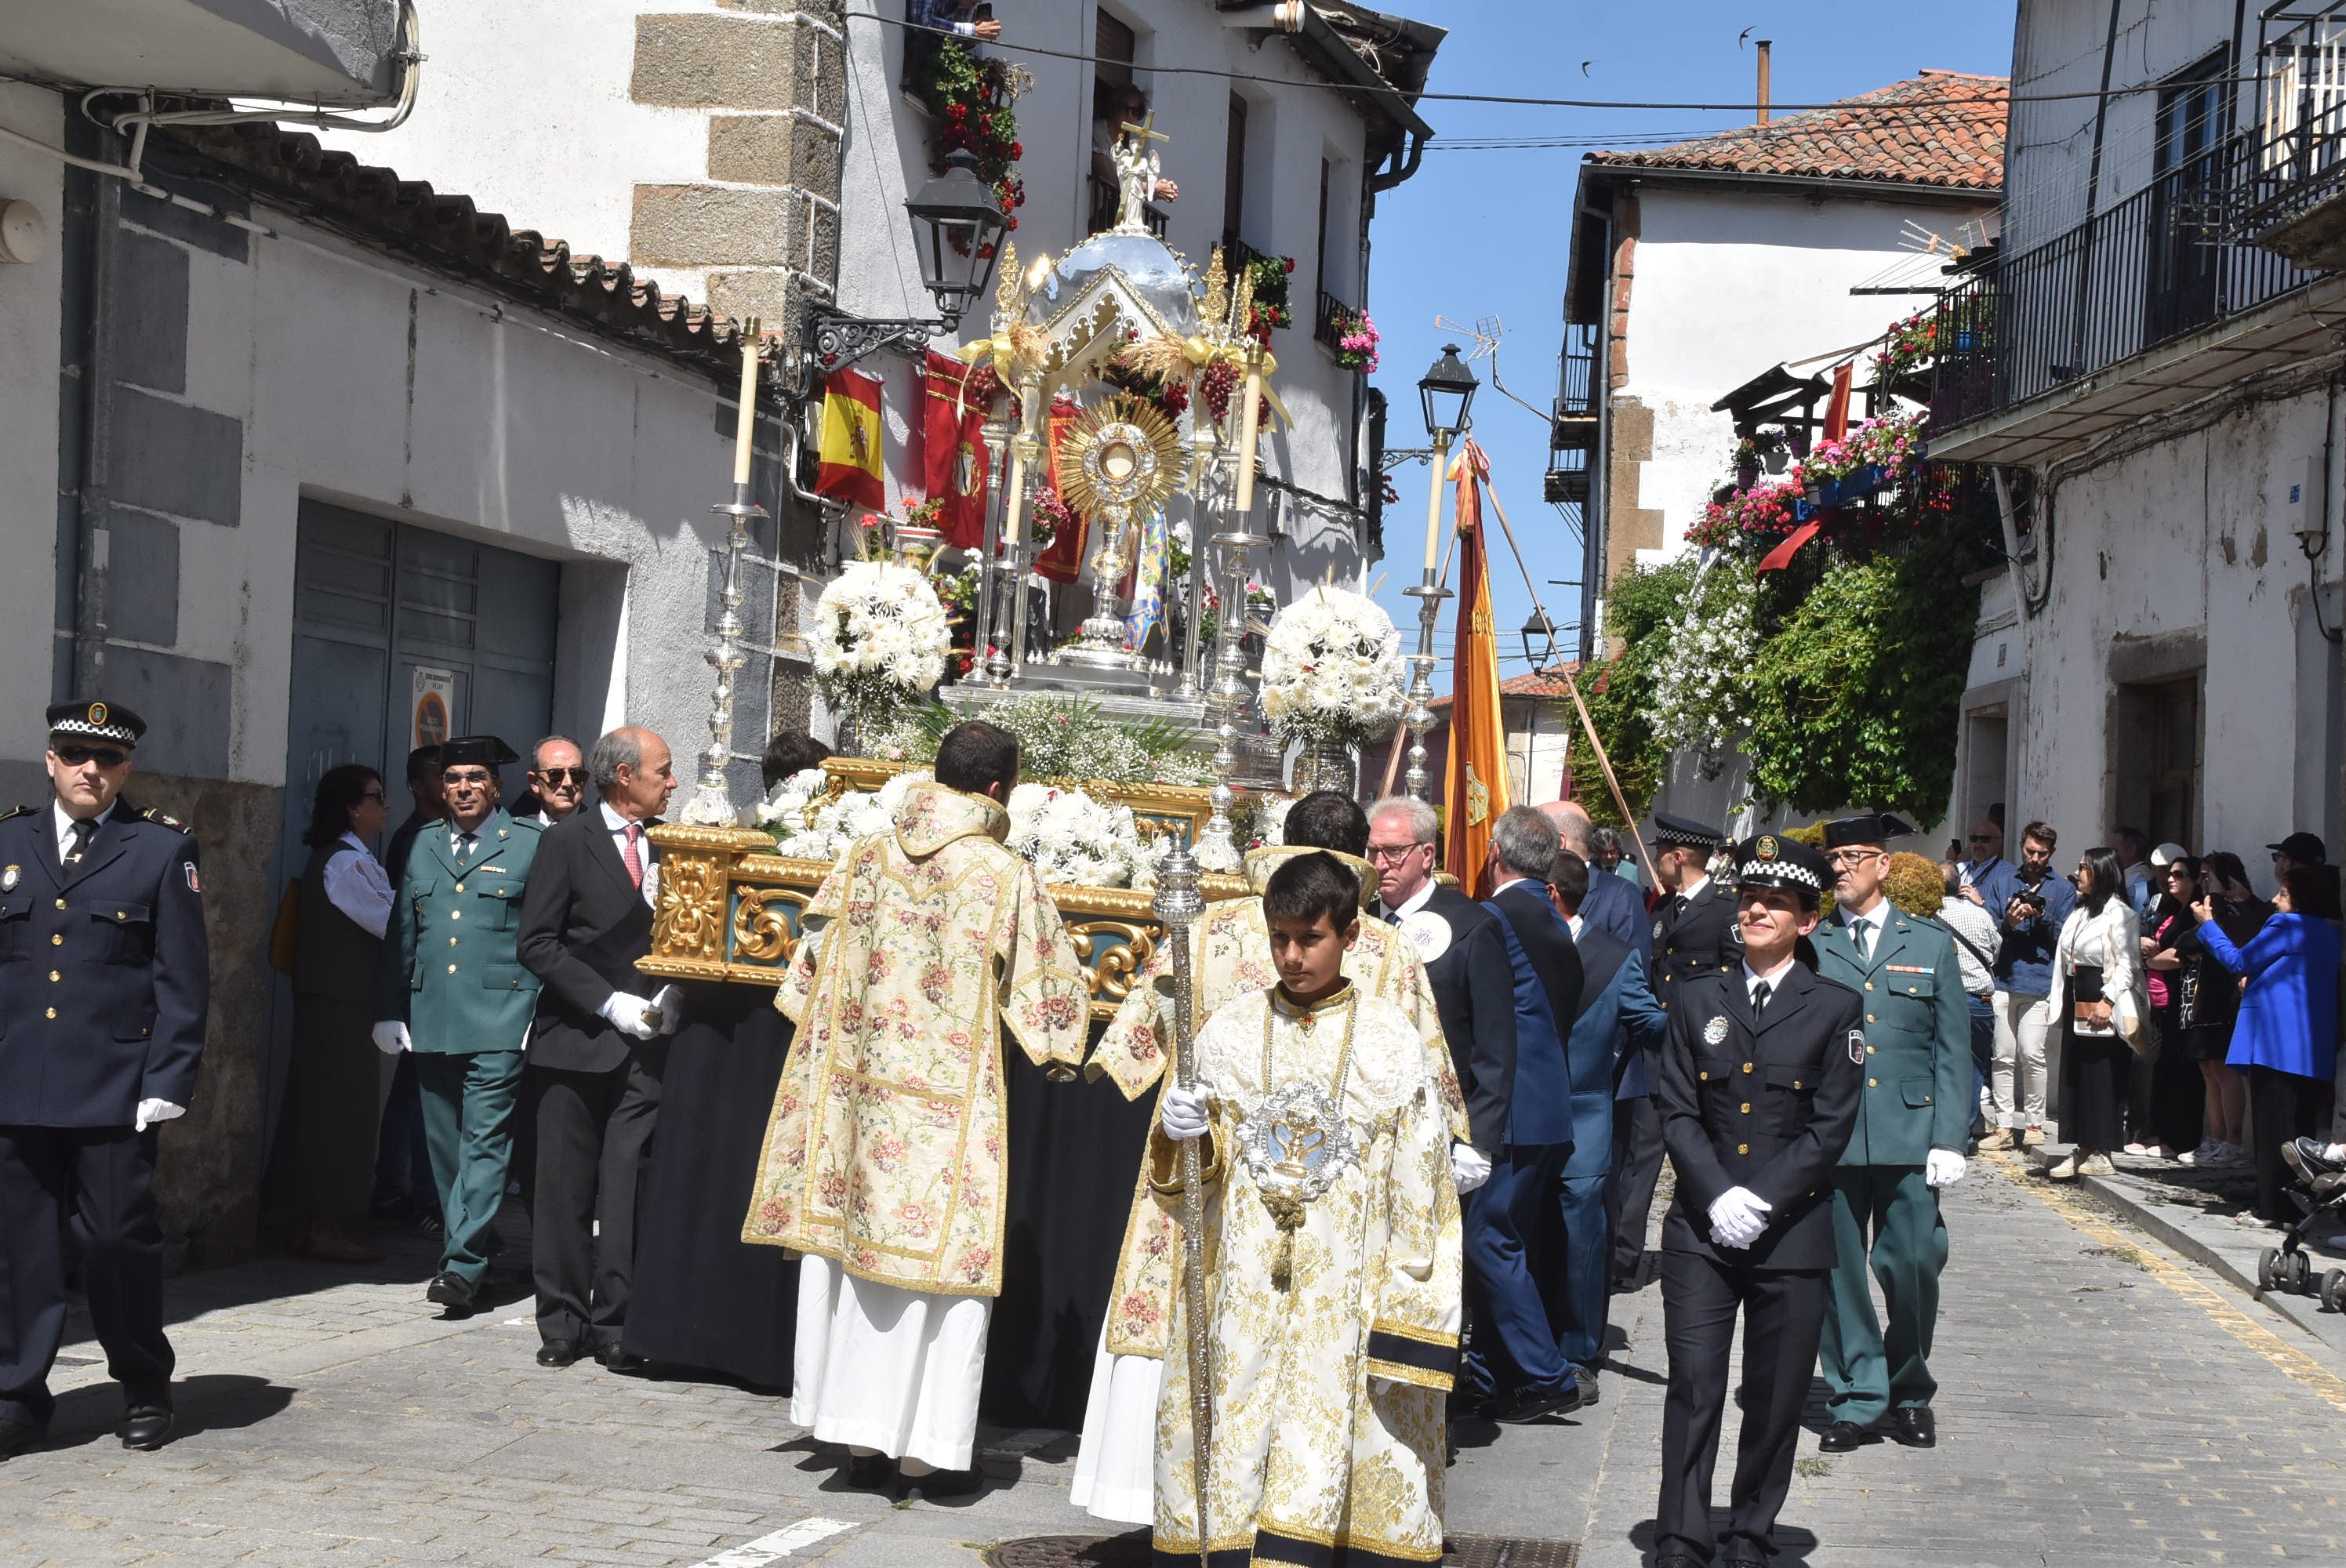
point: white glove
(1945, 1169)
(626, 1014)
(391, 1037)
(1184, 1115)
(1468, 1168)
(670, 1003)
(1737, 1216)
(153, 1111)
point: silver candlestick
(1418, 718)
(712, 802)
(1229, 703)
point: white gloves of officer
(1945, 1169)
(1183, 1116)
(1468, 1168)
(153, 1111)
(391, 1037)
(1737, 1216)
(641, 1019)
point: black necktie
(1678, 904)
(464, 849)
(1758, 1001)
(82, 831)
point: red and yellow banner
(850, 447)
(954, 457)
(1474, 780)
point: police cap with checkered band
(1772, 861)
(85, 721)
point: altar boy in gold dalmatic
(1115, 1475)
(886, 1160)
(1332, 1255)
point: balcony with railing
(1105, 200)
(2089, 311)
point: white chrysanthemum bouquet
(809, 822)
(879, 642)
(1331, 669)
(1070, 837)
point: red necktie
(632, 856)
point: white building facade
(2154, 381)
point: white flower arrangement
(880, 641)
(1069, 837)
(1331, 669)
(1699, 699)
(809, 824)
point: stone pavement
(2105, 1400)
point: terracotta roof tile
(1947, 130)
(1544, 683)
(292, 170)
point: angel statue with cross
(1138, 166)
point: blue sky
(1479, 233)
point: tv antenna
(1487, 331)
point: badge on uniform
(1715, 1031)
(1428, 933)
(1658, 931)
(1857, 1046)
(194, 886)
(10, 877)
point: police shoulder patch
(1715, 1031)
(1857, 1046)
(1658, 925)
(151, 815)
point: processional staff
(1178, 903)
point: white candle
(748, 419)
(1433, 507)
(1250, 432)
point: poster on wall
(433, 698)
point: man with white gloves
(1760, 1077)
(1912, 1122)
(591, 1094)
(455, 993)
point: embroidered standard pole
(1178, 903)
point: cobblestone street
(2103, 1399)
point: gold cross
(1146, 129)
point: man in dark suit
(1693, 932)
(1613, 903)
(591, 1091)
(1466, 963)
(1515, 1363)
(1618, 1015)
(1761, 1076)
(105, 975)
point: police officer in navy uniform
(1761, 1075)
(104, 979)
(1693, 934)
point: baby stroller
(2319, 1192)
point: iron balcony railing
(1329, 317)
(2164, 262)
(1106, 197)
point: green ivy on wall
(1642, 608)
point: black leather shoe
(146, 1426)
(947, 1482)
(2309, 1158)
(1842, 1437)
(1678, 1560)
(615, 1360)
(1530, 1405)
(559, 1352)
(450, 1289)
(1915, 1426)
(1585, 1379)
(15, 1437)
(871, 1472)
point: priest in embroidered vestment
(1332, 1251)
(1229, 957)
(886, 1161)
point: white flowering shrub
(1331, 669)
(1700, 701)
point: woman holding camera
(2097, 972)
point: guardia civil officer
(104, 979)
(1760, 1075)
(1912, 1123)
(1695, 932)
(455, 993)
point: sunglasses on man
(562, 775)
(104, 755)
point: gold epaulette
(149, 814)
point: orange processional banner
(1474, 779)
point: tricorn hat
(1872, 828)
(475, 751)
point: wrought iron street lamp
(1539, 639)
(1446, 393)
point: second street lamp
(1539, 640)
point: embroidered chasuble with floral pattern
(886, 1147)
(1229, 957)
(1333, 1253)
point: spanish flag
(850, 449)
(1475, 778)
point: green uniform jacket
(450, 971)
(1917, 1032)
